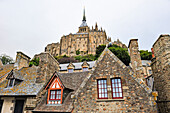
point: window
(102, 89)
(55, 95)
(70, 70)
(116, 88)
(150, 71)
(85, 68)
(10, 82)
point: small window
(85, 68)
(102, 89)
(70, 70)
(55, 95)
(117, 88)
(150, 71)
(10, 82)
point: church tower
(83, 27)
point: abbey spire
(84, 16)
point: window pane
(118, 80)
(117, 94)
(99, 95)
(120, 94)
(113, 89)
(115, 80)
(116, 89)
(114, 95)
(120, 90)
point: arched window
(116, 85)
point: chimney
(136, 62)
(22, 60)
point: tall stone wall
(161, 71)
(135, 98)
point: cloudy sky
(29, 25)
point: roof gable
(54, 82)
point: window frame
(10, 85)
(55, 94)
(70, 69)
(116, 87)
(102, 88)
(85, 69)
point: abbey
(85, 41)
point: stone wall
(161, 71)
(47, 66)
(135, 97)
(53, 49)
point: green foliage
(77, 52)
(99, 50)
(34, 61)
(145, 55)
(88, 57)
(6, 59)
(121, 53)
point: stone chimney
(22, 60)
(136, 62)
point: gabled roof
(27, 87)
(130, 72)
(52, 79)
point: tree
(121, 53)
(6, 59)
(34, 61)
(99, 50)
(145, 55)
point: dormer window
(70, 70)
(55, 90)
(11, 82)
(85, 69)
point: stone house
(161, 71)
(109, 86)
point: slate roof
(70, 81)
(4, 70)
(26, 87)
(77, 65)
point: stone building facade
(161, 71)
(85, 41)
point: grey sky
(29, 25)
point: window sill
(108, 100)
(54, 104)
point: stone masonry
(135, 58)
(137, 96)
(161, 72)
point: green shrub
(34, 61)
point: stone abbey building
(85, 40)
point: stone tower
(161, 71)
